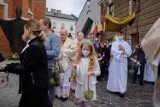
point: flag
(99, 26)
(95, 31)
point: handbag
(63, 64)
(88, 94)
(54, 76)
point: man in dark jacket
(140, 56)
(106, 59)
(97, 46)
(98, 50)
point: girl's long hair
(91, 56)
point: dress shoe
(133, 82)
(122, 95)
(63, 99)
(141, 84)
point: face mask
(85, 52)
(120, 37)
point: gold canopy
(117, 24)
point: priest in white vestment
(117, 80)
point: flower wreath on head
(87, 42)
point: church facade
(30, 9)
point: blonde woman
(32, 68)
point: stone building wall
(39, 9)
(148, 14)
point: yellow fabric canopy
(117, 24)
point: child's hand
(90, 73)
(74, 65)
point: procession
(100, 58)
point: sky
(67, 6)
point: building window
(54, 25)
(130, 6)
(135, 5)
(109, 1)
(71, 27)
(62, 26)
(111, 9)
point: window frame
(62, 25)
(54, 25)
(71, 28)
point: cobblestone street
(136, 95)
(9, 96)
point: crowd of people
(88, 61)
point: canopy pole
(125, 33)
(137, 30)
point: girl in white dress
(87, 70)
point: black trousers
(104, 69)
(141, 73)
(35, 99)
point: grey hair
(80, 33)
